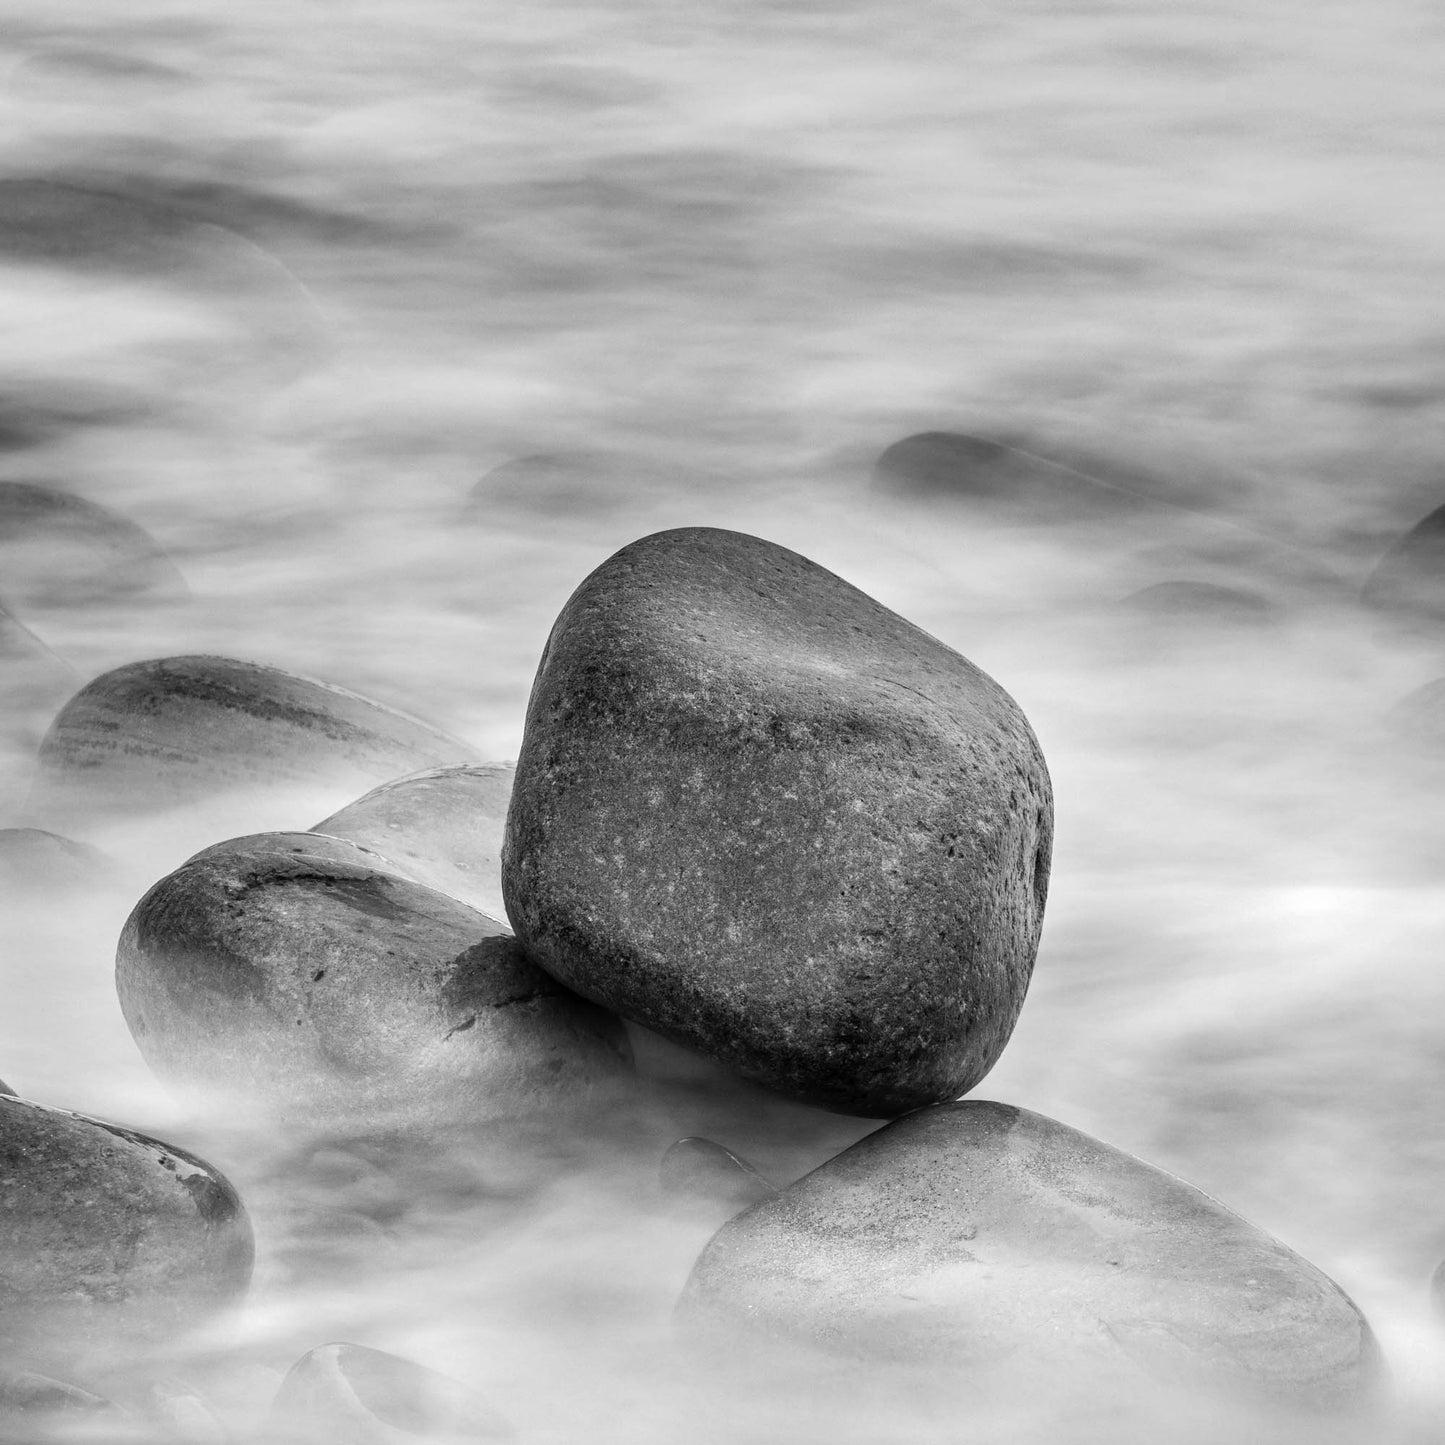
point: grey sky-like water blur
(285, 284)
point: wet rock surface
(110, 1240)
(354, 1393)
(298, 974)
(975, 1235)
(442, 827)
(762, 815)
(177, 729)
(58, 549)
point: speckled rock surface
(110, 1241)
(369, 1397)
(175, 729)
(442, 827)
(300, 975)
(762, 815)
(975, 1233)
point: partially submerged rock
(58, 549)
(33, 860)
(1408, 582)
(301, 976)
(442, 827)
(345, 1392)
(111, 1242)
(974, 1235)
(762, 815)
(174, 730)
(700, 1170)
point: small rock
(698, 1169)
(179, 729)
(763, 816)
(1409, 580)
(572, 484)
(972, 1235)
(300, 974)
(58, 549)
(110, 1241)
(34, 681)
(33, 860)
(1009, 476)
(6, 1089)
(442, 827)
(183, 1414)
(1203, 601)
(350, 1393)
(36, 1408)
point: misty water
(284, 284)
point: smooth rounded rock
(59, 549)
(111, 1242)
(701, 1170)
(369, 1397)
(974, 1236)
(763, 816)
(1408, 582)
(299, 976)
(442, 827)
(175, 730)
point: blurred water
(283, 283)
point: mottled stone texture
(764, 816)
(175, 729)
(442, 827)
(300, 975)
(972, 1234)
(110, 1241)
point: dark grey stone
(762, 815)
(110, 1241)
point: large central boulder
(768, 818)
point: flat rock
(174, 730)
(763, 816)
(110, 1241)
(58, 549)
(1408, 582)
(369, 1397)
(978, 1236)
(299, 975)
(442, 827)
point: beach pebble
(763, 816)
(345, 1392)
(975, 1236)
(300, 976)
(698, 1169)
(1409, 580)
(35, 1408)
(174, 730)
(58, 549)
(111, 1242)
(442, 827)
